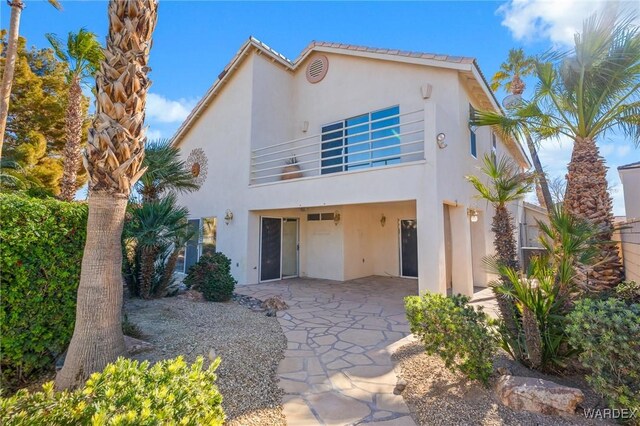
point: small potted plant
(291, 170)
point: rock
(537, 395)
(275, 302)
(271, 312)
(191, 294)
(400, 386)
(503, 371)
(135, 346)
(212, 355)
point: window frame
(337, 135)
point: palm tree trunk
(147, 271)
(506, 250)
(532, 337)
(73, 130)
(9, 66)
(587, 197)
(97, 338)
(112, 158)
(168, 272)
(541, 177)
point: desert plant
(628, 291)
(506, 183)
(455, 331)
(166, 172)
(211, 275)
(542, 296)
(154, 232)
(607, 332)
(130, 329)
(126, 393)
(40, 255)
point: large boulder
(537, 395)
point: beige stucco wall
(631, 186)
(630, 236)
(264, 104)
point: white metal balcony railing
(343, 147)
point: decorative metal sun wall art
(197, 163)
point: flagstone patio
(337, 368)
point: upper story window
(494, 148)
(367, 140)
(473, 145)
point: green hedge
(607, 332)
(125, 393)
(212, 276)
(40, 254)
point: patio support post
(430, 215)
(462, 266)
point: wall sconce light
(426, 91)
(440, 140)
(336, 217)
(305, 126)
(383, 220)
(228, 216)
(473, 215)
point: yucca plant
(543, 295)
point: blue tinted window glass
(332, 142)
(472, 141)
(385, 136)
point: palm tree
(165, 172)
(582, 94)
(10, 61)
(156, 231)
(113, 159)
(82, 55)
(506, 184)
(519, 65)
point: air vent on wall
(317, 68)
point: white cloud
(556, 20)
(163, 110)
(153, 134)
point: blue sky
(194, 40)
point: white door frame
(282, 219)
(400, 246)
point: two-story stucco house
(380, 145)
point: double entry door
(279, 248)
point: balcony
(379, 139)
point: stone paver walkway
(337, 368)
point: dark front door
(409, 248)
(270, 248)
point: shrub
(125, 393)
(455, 331)
(628, 291)
(608, 335)
(40, 256)
(212, 276)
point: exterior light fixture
(383, 220)
(336, 217)
(473, 215)
(305, 126)
(228, 216)
(440, 140)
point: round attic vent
(317, 68)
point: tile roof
(396, 52)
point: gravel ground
(437, 396)
(250, 344)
